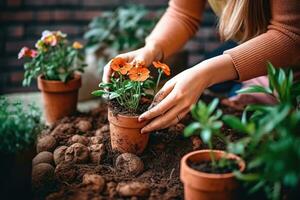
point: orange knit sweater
(280, 44)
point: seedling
(54, 58)
(208, 124)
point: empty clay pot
(60, 99)
(205, 186)
(125, 133)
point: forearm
(178, 24)
(216, 70)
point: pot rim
(194, 172)
(59, 86)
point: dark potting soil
(207, 166)
(161, 161)
(118, 109)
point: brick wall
(22, 21)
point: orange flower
(139, 74)
(77, 45)
(51, 40)
(26, 52)
(120, 65)
(164, 67)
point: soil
(207, 167)
(116, 108)
(159, 178)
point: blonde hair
(242, 20)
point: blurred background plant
(125, 29)
(19, 125)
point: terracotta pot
(206, 186)
(60, 99)
(125, 133)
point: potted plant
(208, 174)
(55, 64)
(120, 31)
(19, 126)
(129, 93)
(271, 141)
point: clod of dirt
(177, 129)
(196, 142)
(43, 157)
(59, 154)
(94, 181)
(97, 152)
(65, 172)
(79, 139)
(42, 175)
(84, 125)
(111, 189)
(133, 189)
(96, 139)
(77, 153)
(129, 163)
(61, 129)
(46, 143)
(105, 128)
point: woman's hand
(147, 54)
(178, 94)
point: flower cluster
(53, 58)
(130, 82)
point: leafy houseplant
(55, 64)
(130, 92)
(19, 126)
(271, 142)
(200, 170)
(112, 33)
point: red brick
(15, 46)
(15, 31)
(195, 59)
(62, 15)
(86, 15)
(19, 16)
(43, 15)
(14, 3)
(100, 2)
(40, 2)
(193, 45)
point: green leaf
(255, 89)
(190, 129)
(113, 95)
(206, 135)
(213, 105)
(99, 92)
(250, 177)
(234, 123)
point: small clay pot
(125, 133)
(60, 99)
(205, 186)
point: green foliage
(271, 142)
(56, 61)
(19, 126)
(112, 33)
(126, 92)
(281, 86)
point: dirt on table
(158, 177)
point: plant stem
(158, 80)
(212, 156)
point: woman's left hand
(174, 100)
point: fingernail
(140, 119)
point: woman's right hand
(147, 54)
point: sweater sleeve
(279, 45)
(179, 23)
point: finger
(177, 118)
(106, 73)
(160, 108)
(167, 88)
(162, 121)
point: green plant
(271, 141)
(129, 83)
(125, 29)
(54, 58)
(281, 86)
(208, 124)
(19, 125)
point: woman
(266, 31)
